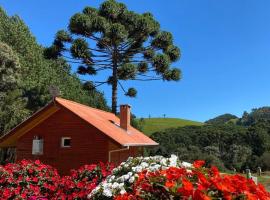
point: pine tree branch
(121, 86)
(150, 79)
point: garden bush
(142, 178)
(28, 179)
(194, 183)
(82, 181)
(35, 180)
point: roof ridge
(74, 102)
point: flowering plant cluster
(142, 178)
(33, 180)
(27, 178)
(82, 181)
(194, 183)
(122, 178)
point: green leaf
(162, 40)
(79, 49)
(63, 36)
(161, 63)
(143, 67)
(117, 33)
(111, 9)
(80, 24)
(173, 52)
(127, 71)
(172, 75)
(132, 92)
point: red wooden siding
(120, 156)
(88, 144)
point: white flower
(107, 192)
(122, 191)
(115, 185)
(163, 161)
(126, 177)
(128, 172)
(186, 164)
(173, 161)
(132, 179)
(144, 165)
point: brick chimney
(125, 116)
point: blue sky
(225, 52)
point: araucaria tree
(130, 45)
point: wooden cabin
(66, 135)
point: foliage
(33, 180)
(221, 119)
(11, 103)
(129, 45)
(256, 115)
(223, 145)
(26, 179)
(137, 178)
(194, 183)
(82, 181)
(122, 178)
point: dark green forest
(238, 144)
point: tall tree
(130, 45)
(11, 103)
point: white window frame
(63, 142)
(37, 146)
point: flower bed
(122, 178)
(27, 178)
(137, 178)
(195, 183)
(82, 181)
(34, 180)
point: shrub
(122, 178)
(82, 181)
(27, 178)
(195, 183)
(35, 181)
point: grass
(152, 125)
(265, 180)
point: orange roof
(106, 122)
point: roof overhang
(139, 144)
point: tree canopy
(112, 38)
(239, 144)
(221, 119)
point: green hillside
(157, 124)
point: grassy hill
(157, 124)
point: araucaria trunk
(114, 84)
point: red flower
(186, 189)
(198, 163)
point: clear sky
(225, 52)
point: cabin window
(66, 142)
(37, 146)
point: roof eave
(139, 144)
